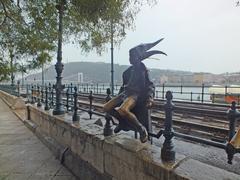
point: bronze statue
(136, 94)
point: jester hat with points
(141, 51)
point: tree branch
(5, 12)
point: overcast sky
(200, 36)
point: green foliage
(4, 70)
(41, 59)
(29, 28)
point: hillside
(95, 72)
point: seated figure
(136, 93)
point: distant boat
(224, 94)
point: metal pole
(59, 109)
(90, 97)
(163, 86)
(42, 74)
(112, 66)
(11, 66)
(32, 92)
(202, 93)
(67, 96)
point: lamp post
(11, 66)
(112, 66)
(59, 109)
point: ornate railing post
(52, 96)
(27, 93)
(163, 89)
(167, 151)
(71, 94)
(32, 93)
(75, 117)
(39, 104)
(107, 131)
(18, 88)
(46, 108)
(67, 96)
(232, 115)
(42, 93)
(203, 87)
(90, 97)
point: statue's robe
(136, 81)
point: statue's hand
(149, 102)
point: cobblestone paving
(22, 154)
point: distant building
(163, 79)
(80, 77)
(206, 78)
(198, 78)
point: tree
(4, 70)
(21, 36)
(42, 59)
(22, 69)
(86, 22)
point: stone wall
(90, 155)
(12, 101)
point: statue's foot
(143, 135)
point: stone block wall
(90, 155)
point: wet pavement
(22, 154)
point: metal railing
(192, 93)
(71, 96)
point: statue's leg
(110, 105)
(124, 111)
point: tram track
(209, 127)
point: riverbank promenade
(22, 154)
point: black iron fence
(199, 93)
(193, 93)
(45, 95)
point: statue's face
(133, 58)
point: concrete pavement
(22, 154)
